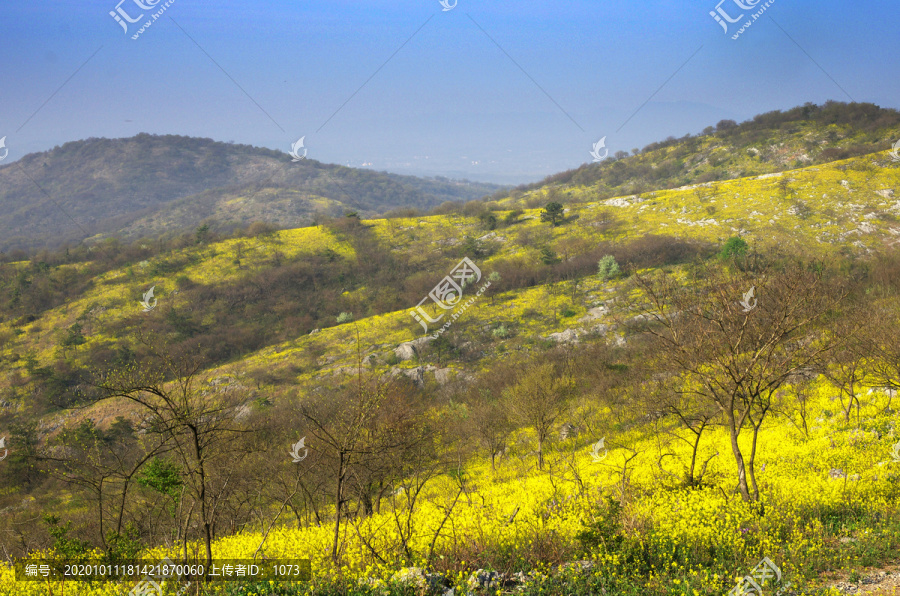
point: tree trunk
(739, 459)
(696, 449)
(204, 513)
(338, 501)
(540, 451)
(751, 464)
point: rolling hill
(151, 185)
(772, 142)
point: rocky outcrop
(573, 336)
(417, 375)
(410, 349)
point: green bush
(548, 257)
(734, 247)
(344, 317)
(512, 217)
(608, 268)
(553, 213)
(488, 220)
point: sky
(498, 91)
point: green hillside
(647, 394)
(771, 142)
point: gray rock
(483, 580)
(421, 342)
(417, 374)
(442, 375)
(410, 349)
(242, 412)
(599, 329)
(593, 314)
(569, 336)
(405, 351)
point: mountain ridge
(101, 187)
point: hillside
(558, 438)
(150, 185)
(239, 296)
(769, 143)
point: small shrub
(608, 268)
(472, 247)
(553, 212)
(512, 217)
(734, 247)
(501, 331)
(344, 317)
(605, 530)
(488, 220)
(63, 545)
(568, 311)
(548, 257)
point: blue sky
(494, 90)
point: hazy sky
(493, 90)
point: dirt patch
(884, 581)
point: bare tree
(371, 423)
(539, 399)
(848, 365)
(881, 345)
(196, 416)
(488, 416)
(692, 414)
(105, 465)
(736, 354)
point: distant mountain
(150, 184)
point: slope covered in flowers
(829, 495)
